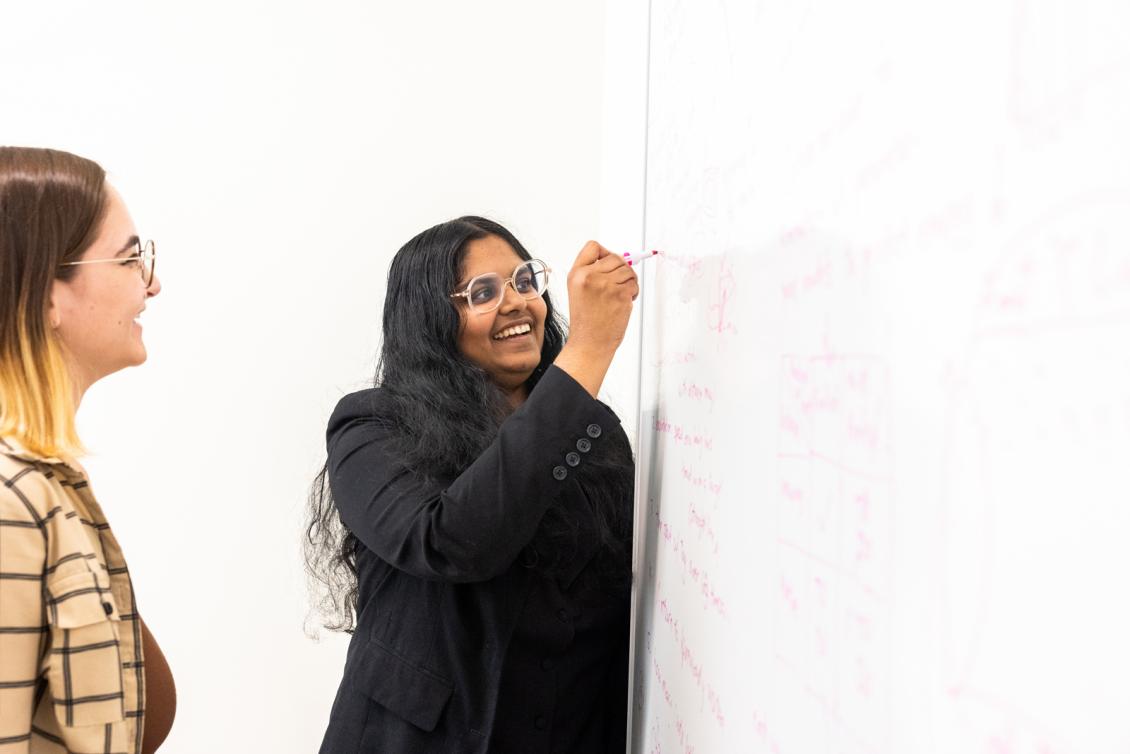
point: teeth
(511, 331)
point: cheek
(462, 339)
(539, 313)
(472, 333)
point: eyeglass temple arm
(101, 261)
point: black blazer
(439, 592)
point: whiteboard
(884, 441)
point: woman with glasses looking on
(79, 670)
(484, 564)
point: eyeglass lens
(148, 255)
(486, 291)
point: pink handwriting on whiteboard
(700, 522)
(678, 357)
(692, 570)
(721, 321)
(696, 392)
(840, 262)
(764, 733)
(681, 435)
(690, 264)
(680, 726)
(701, 481)
(687, 657)
(832, 493)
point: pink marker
(636, 258)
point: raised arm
(602, 288)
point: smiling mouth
(512, 332)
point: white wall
(280, 153)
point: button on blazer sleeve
(473, 528)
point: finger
(610, 263)
(601, 251)
(589, 253)
(622, 273)
(620, 277)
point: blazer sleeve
(473, 528)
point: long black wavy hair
(445, 410)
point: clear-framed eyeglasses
(485, 292)
(145, 260)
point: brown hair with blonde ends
(52, 205)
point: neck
(79, 392)
(515, 396)
(80, 382)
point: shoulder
(365, 413)
(364, 405)
(27, 492)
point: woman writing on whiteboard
(80, 669)
(486, 500)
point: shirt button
(108, 608)
(539, 722)
(547, 664)
(559, 473)
(572, 459)
(563, 615)
(584, 445)
(593, 431)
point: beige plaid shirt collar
(10, 446)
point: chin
(526, 369)
(513, 377)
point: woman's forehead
(117, 231)
(489, 254)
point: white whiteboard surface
(884, 453)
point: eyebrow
(131, 245)
(464, 284)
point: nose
(154, 287)
(511, 299)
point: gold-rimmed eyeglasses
(485, 292)
(145, 260)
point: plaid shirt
(71, 672)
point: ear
(59, 293)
